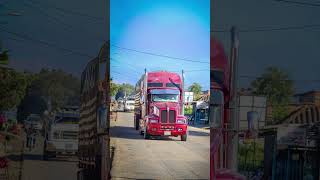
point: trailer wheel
(184, 137)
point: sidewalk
(204, 127)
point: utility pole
(233, 139)
(182, 91)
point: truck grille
(167, 127)
(172, 116)
(164, 116)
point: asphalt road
(60, 168)
(163, 158)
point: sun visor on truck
(164, 91)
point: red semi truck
(159, 105)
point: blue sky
(175, 28)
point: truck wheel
(184, 137)
(146, 135)
(137, 122)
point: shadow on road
(61, 159)
(14, 157)
(126, 132)
(32, 157)
(39, 157)
(197, 133)
(164, 138)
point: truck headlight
(181, 121)
(153, 120)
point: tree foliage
(278, 88)
(124, 89)
(113, 88)
(55, 85)
(196, 89)
(4, 57)
(13, 88)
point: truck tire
(146, 135)
(184, 137)
(137, 122)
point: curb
(204, 129)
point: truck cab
(129, 105)
(160, 111)
(62, 135)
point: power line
(133, 71)
(122, 76)
(159, 55)
(299, 3)
(172, 62)
(270, 29)
(302, 80)
(43, 12)
(45, 43)
(130, 65)
(197, 70)
(68, 11)
(67, 26)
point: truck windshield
(165, 97)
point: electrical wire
(299, 3)
(68, 11)
(302, 80)
(45, 43)
(67, 27)
(44, 13)
(271, 29)
(159, 55)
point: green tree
(196, 89)
(278, 88)
(13, 88)
(113, 88)
(58, 86)
(124, 89)
(4, 57)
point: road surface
(164, 158)
(34, 168)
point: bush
(188, 110)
